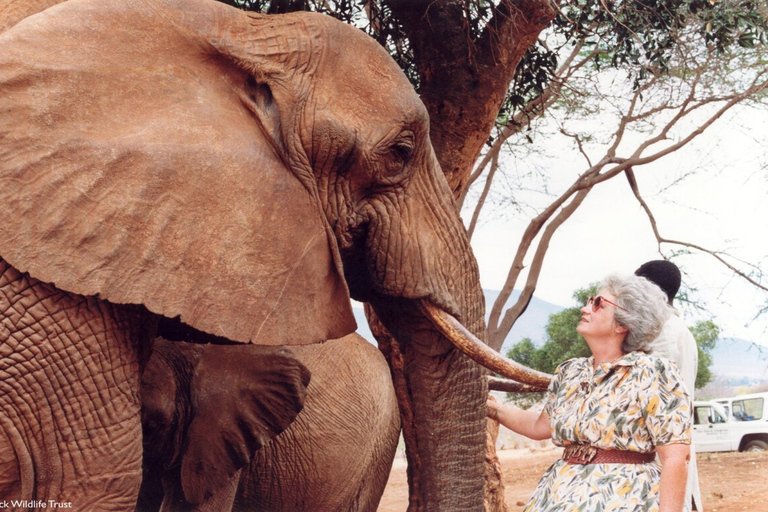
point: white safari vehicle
(737, 423)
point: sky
(723, 205)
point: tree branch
(483, 195)
(662, 240)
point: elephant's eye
(399, 154)
(403, 151)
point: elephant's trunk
(442, 396)
(442, 392)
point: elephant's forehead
(372, 100)
(356, 68)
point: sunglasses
(597, 303)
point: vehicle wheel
(756, 446)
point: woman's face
(598, 323)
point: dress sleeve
(553, 387)
(667, 405)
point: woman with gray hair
(613, 412)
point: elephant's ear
(131, 167)
(242, 397)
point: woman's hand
(674, 474)
(532, 424)
(493, 409)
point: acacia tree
(669, 85)
(706, 334)
(669, 101)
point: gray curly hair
(646, 309)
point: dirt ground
(730, 482)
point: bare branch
(719, 256)
(511, 386)
(483, 195)
(579, 143)
(533, 110)
(607, 168)
(497, 336)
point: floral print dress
(635, 403)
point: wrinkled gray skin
(336, 455)
(263, 411)
(164, 159)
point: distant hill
(735, 361)
(531, 324)
(740, 362)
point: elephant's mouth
(475, 349)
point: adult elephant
(336, 455)
(231, 175)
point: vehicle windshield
(749, 409)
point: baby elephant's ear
(242, 397)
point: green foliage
(525, 353)
(563, 342)
(639, 36)
(706, 334)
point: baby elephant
(206, 409)
(335, 455)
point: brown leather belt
(588, 454)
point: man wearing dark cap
(676, 343)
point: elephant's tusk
(511, 386)
(479, 351)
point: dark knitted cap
(663, 273)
